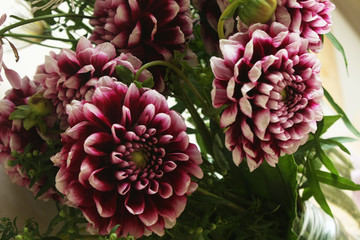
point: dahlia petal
(247, 131)
(150, 215)
(177, 157)
(120, 40)
(141, 184)
(135, 36)
(99, 179)
(97, 144)
(94, 115)
(228, 116)
(158, 227)
(181, 182)
(135, 203)
(105, 203)
(68, 62)
(161, 122)
(153, 97)
(153, 187)
(220, 69)
(237, 155)
(122, 15)
(252, 164)
(83, 44)
(194, 154)
(245, 107)
(229, 49)
(147, 114)
(132, 226)
(177, 122)
(123, 188)
(165, 190)
(88, 166)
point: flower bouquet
(171, 119)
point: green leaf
(338, 109)
(125, 74)
(315, 187)
(21, 112)
(337, 181)
(326, 160)
(339, 47)
(329, 121)
(149, 83)
(333, 142)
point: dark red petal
(101, 180)
(150, 215)
(135, 203)
(105, 203)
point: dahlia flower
(126, 160)
(309, 18)
(14, 138)
(151, 30)
(72, 75)
(270, 84)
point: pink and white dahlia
(72, 75)
(126, 160)
(151, 30)
(14, 138)
(309, 18)
(271, 87)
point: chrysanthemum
(151, 30)
(14, 138)
(72, 75)
(309, 18)
(126, 160)
(270, 84)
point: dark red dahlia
(73, 75)
(149, 29)
(270, 84)
(126, 160)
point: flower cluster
(113, 147)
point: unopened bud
(39, 105)
(257, 11)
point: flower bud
(39, 105)
(257, 11)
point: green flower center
(140, 158)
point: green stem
(226, 202)
(40, 18)
(229, 11)
(178, 71)
(200, 125)
(19, 36)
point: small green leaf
(149, 83)
(326, 160)
(315, 187)
(337, 181)
(329, 121)
(332, 142)
(125, 74)
(339, 47)
(21, 112)
(339, 110)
